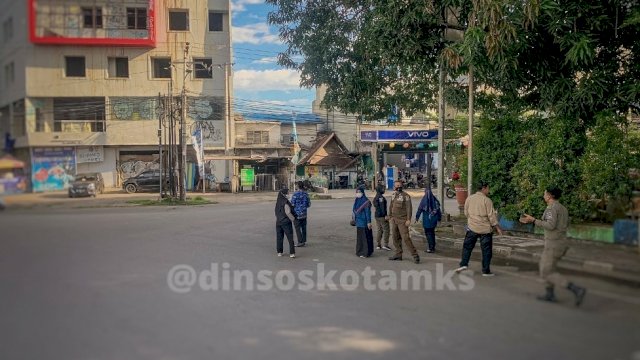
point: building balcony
(77, 22)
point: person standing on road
(555, 221)
(301, 202)
(382, 223)
(482, 218)
(429, 208)
(362, 218)
(283, 223)
(400, 211)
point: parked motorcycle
(450, 192)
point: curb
(589, 267)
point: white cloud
(291, 102)
(265, 80)
(266, 60)
(254, 34)
(241, 5)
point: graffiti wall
(133, 165)
(134, 108)
(52, 168)
(209, 112)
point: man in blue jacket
(301, 202)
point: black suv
(145, 181)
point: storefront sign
(247, 177)
(90, 154)
(398, 135)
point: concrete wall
(106, 167)
(307, 133)
(242, 127)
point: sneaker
(429, 251)
(363, 257)
(386, 248)
(461, 269)
(292, 256)
(416, 259)
(379, 248)
(489, 274)
(301, 245)
(394, 258)
(279, 254)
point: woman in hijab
(429, 208)
(283, 223)
(362, 217)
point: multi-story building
(80, 83)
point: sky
(257, 76)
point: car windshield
(86, 177)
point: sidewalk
(118, 198)
(619, 262)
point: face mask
(399, 188)
(359, 195)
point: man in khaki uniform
(482, 218)
(555, 221)
(400, 211)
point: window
(7, 29)
(9, 74)
(202, 68)
(179, 20)
(79, 114)
(137, 18)
(257, 137)
(216, 21)
(161, 68)
(75, 66)
(118, 67)
(92, 17)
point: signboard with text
(398, 135)
(89, 154)
(247, 177)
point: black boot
(416, 259)
(396, 257)
(548, 296)
(579, 293)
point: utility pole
(171, 143)
(160, 141)
(470, 147)
(441, 117)
(183, 124)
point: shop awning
(9, 162)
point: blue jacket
(429, 219)
(301, 202)
(363, 218)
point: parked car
(145, 181)
(86, 184)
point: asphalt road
(93, 284)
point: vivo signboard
(398, 135)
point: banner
(196, 140)
(52, 168)
(296, 147)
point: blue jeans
(486, 244)
(301, 230)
